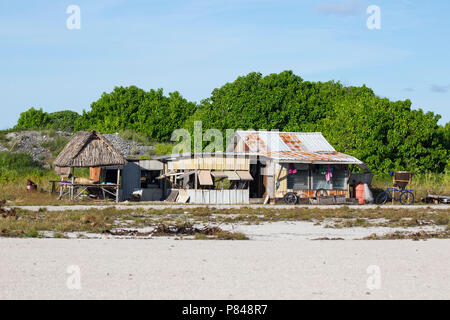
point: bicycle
(406, 196)
(293, 198)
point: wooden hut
(89, 149)
(303, 163)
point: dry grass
(29, 224)
(16, 193)
(231, 236)
(224, 235)
(421, 235)
(32, 224)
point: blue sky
(194, 46)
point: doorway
(257, 187)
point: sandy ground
(162, 206)
(196, 269)
(302, 230)
(280, 230)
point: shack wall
(218, 196)
(131, 179)
(281, 185)
(210, 163)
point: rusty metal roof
(291, 146)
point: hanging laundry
(329, 174)
(292, 169)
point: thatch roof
(89, 149)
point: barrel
(31, 186)
(360, 193)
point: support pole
(73, 181)
(196, 178)
(118, 185)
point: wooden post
(196, 178)
(73, 181)
(393, 192)
(347, 179)
(165, 183)
(118, 185)
(309, 176)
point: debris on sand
(5, 213)
(326, 238)
(123, 232)
(187, 229)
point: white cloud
(439, 88)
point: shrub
(16, 161)
(163, 148)
(63, 120)
(56, 145)
(33, 119)
(38, 119)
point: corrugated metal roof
(293, 146)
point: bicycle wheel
(321, 193)
(290, 198)
(381, 198)
(407, 198)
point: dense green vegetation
(14, 166)
(386, 135)
(149, 113)
(17, 161)
(38, 119)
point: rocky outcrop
(36, 144)
(128, 148)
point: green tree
(114, 111)
(63, 120)
(159, 116)
(131, 108)
(386, 135)
(32, 119)
(38, 119)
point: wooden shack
(88, 149)
(207, 178)
(301, 162)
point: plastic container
(360, 194)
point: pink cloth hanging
(292, 169)
(329, 174)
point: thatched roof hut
(89, 149)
